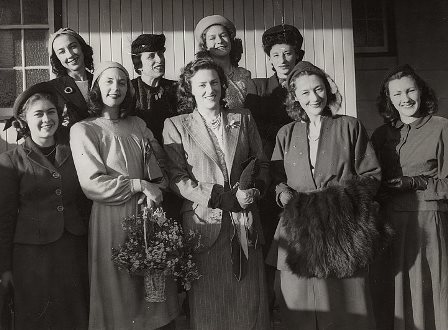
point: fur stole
(335, 231)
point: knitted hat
(59, 32)
(281, 34)
(208, 21)
(148, 43)
(103, 66)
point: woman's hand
(285, 197)
(247, 197)
(152, 193)
(7, 279)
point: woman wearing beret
(326, 175)
(410, 284)
(215, 35)
(71, 60)
(108, 150)
(206, 146)
(43, 220)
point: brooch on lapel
(68, 90)
(233, 124)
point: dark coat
(71, 99)
(38, 200)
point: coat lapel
(232, 127)
(62, 154)
(195, 127)
(66, 86)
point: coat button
(60, 208)
(58, 192)
(56, 175)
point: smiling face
(113, 86)
(217, 41)
(206, 89)
(153, 64)
(42, 119)
(406, 98)
(69, 52)
(283, 58)
(311, 93)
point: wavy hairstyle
(59, 70)
(295, 110)
(96, 104)
(186, 100)
(428, 105)
(236, 46)
(20, 123)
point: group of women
(362, 238)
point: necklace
(215, 123)
(48, 154)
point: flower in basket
(156, 246)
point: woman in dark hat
(410, 284)
(326, 175)
(109, 150)
(43, 220)
(71, 60)
(206, 146)
(215, 35)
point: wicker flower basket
(154, 286)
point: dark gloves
(248, 175)
(224, 200)
(405, 183)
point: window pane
(34, 76)
(10, 54)
(360, 33)
(35, 12)
(11, 82)
(375, 35)
(36, 47)
(9, 12)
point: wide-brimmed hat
(281, 34)
(148, 43)
(62, 31)
(208, 21)
(103, 66)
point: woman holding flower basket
(214, 153)
(114, 154)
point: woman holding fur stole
(410, 282)
(326, 174)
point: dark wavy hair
(59, 70)
(236, 46)
(293, 107)
(96, 105)
(186, 100)
(20, 123)
(429, 103)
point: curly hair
(293, 107)
(96, 104)
(387, 110)
(186, 100)
(236, 46)
(59, 70)
(20, 123)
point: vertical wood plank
(84, 20)
(218, 7)
(188, 29)
(178, 38)
(72, 15)
(318, 34)
(126, 36)
(94, 29)
(249, 48)
(208, 7)
(278, 11)
(268, 17)
(288, 11)
(338, 50)
(198, 10)
(228, 9)
(115, 29)
(106, 52)
(260, 58)
(136, 18)
(349, 58)
(238, 14)
(157, 16)
(147, 16)
(308, 31)
(64, 13)
(298, 15)
(327, 29)
(168, 30)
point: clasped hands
(151, 192)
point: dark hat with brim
(281, 34)
(148, 43)
(43, 87)
(208, 21)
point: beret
(148, 43)
(60, 32)
(284, 33)
(208, 21)
(103, 66)
(43, 87)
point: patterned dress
(108, 156)
(240, 84)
